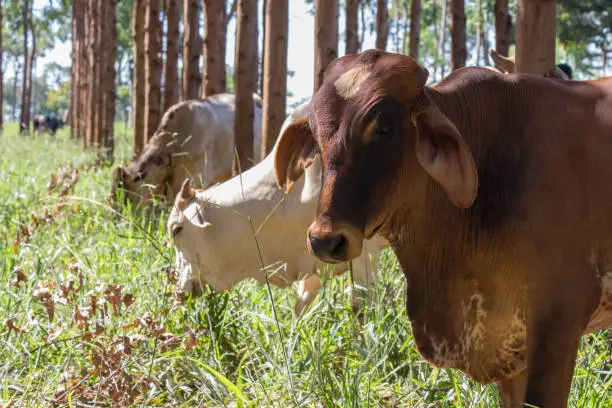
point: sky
(300, 48)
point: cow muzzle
(341, 243)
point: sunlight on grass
(89, 315)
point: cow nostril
(338, 246)
(329, 248)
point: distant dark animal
(48, 123)
(492, 190)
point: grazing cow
(195, 138)
(214, 241)
(48, 123)
(507, 66)
(493, 191)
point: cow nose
(329, 248)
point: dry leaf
(10, 325)
(20, 276)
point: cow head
(143, 179)
(381, 139)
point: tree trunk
(483, 33)
(397, 19)
(98, 78)
(275, 75)
(110, 54)
(442, 38)
(15, 87)
(503, 27)
(458, 49)
(83, 71)
(191, 50)
(152, 68)
(382, 24)
(138, 93)
(262, 60)
(535, 36)
(214, 81)
(25, 108)
(1, 75)
(415, 29)
(92, 91)
(479, 33)
(173, 16)
(77, 43)
(326, 37)
(245, 83)
(352, 40)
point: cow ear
(504, 64)
(444, 154)
(118, 174)
(296, 150)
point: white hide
(212, 136)
(217, 246)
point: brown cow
(494, 193)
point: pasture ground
(88, 315)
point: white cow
(194, 139)
(215, 242)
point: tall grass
(118, 338)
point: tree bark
(326, 37)
(458, 36)
(503, 27)
(191, 50)
(1, 74)
(442, 37)
(214, 81)
(92, 92)
(99, 75)
(138, 93)
(109, 89)
(152, 68)
(275, 75)
(25, 107)
(352, 39)
(535, 36)
(173, 16)
(245, 83)
(382, 24)
(415, 29)
(78, 33)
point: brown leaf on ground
(43, 294)
(54, 334)
(19, 277)
(80, 319)
(10, 325)
(112, 294)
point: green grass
(220, 350)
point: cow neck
(433, 237)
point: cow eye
(383, 132)
(176, 231)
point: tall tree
(1, 73)
(84, 71)
(152, 68)
(326, 37)
(26, 88)
(458, 36)
(173, 16)
(78, 34)
(214, 80)
(275, 74)
(503, 27)
(352, 39)
(245, 83)
(535, 36)
(415, 29)
(441, 39)
(138, 92)
(108, 81)
(382, 24)
(191, 50)
(99, 73)
(92, 91)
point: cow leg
(308, 289)
(512, 391)
(552, 348)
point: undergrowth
(89, 316)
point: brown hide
(493, 191)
